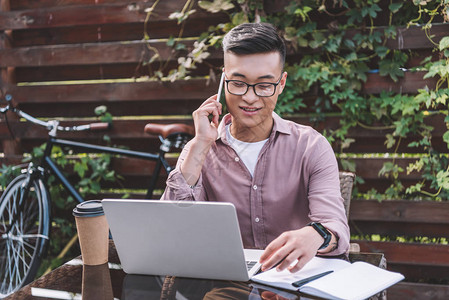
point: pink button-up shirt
(295, 182)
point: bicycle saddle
(166, 130)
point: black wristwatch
(327, 236)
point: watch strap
(327, 236)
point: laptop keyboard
(250, 264)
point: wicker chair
(346, 183)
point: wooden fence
(62, 58)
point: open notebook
(347, 281)
(180, 238)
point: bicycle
(25, 216)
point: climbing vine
(336, 45)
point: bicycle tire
(22, 247)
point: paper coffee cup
(93, 232)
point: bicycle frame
(53, 167)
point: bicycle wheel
(23, 241)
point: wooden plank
(11, 160)
(90, 53)
(408, 253)
(412, 290)
(94, 14)
(399, 217)
(128, 133)
(107, 71)
(415, 261)
(32, 4)
(409, 38)
(365, 171)
(415, 37)
(369, 167)
(422, 273)
(410, 83)
(111, 32)
(400, 211)
(402, 229)
(111, 92)
(116, 108)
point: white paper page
(359, 281)
(284, 279)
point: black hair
(252, 38)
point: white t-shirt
(248, 152)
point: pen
(301, 282)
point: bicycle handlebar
(53, 125)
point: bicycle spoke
(20, 247)
(17, 253)
(9, 266)
(20, 252)
(18, 259)
(15, 266)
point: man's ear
(282, 82)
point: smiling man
(282, 177)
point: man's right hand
(206, 133)
(206, 130)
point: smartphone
(220, 87)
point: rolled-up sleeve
(325, 201)
(177, 187)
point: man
(281, 176)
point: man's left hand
(301, 245)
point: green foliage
(7, 174)
(333, 63)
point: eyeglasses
(261, 89)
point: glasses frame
(253, 86)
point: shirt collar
(280, 125)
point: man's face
(251, 113)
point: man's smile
(250, 109)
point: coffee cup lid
(92, 208)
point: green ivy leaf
(303, 12)
(348, 165)
(390, 141)
(446, 138)
(443, 179)
(318, 40)
(394, 7)
(391, 68)
(444, 43)
(381, 51)
(349, 43)
(216, 5)
(99, 110)
(351, 56)
(240, 18)
(373, 10)
(171, 41)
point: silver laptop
(180, 238)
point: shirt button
(257, 220)
(255, 187)
(236, 159)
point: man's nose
(250, 96)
